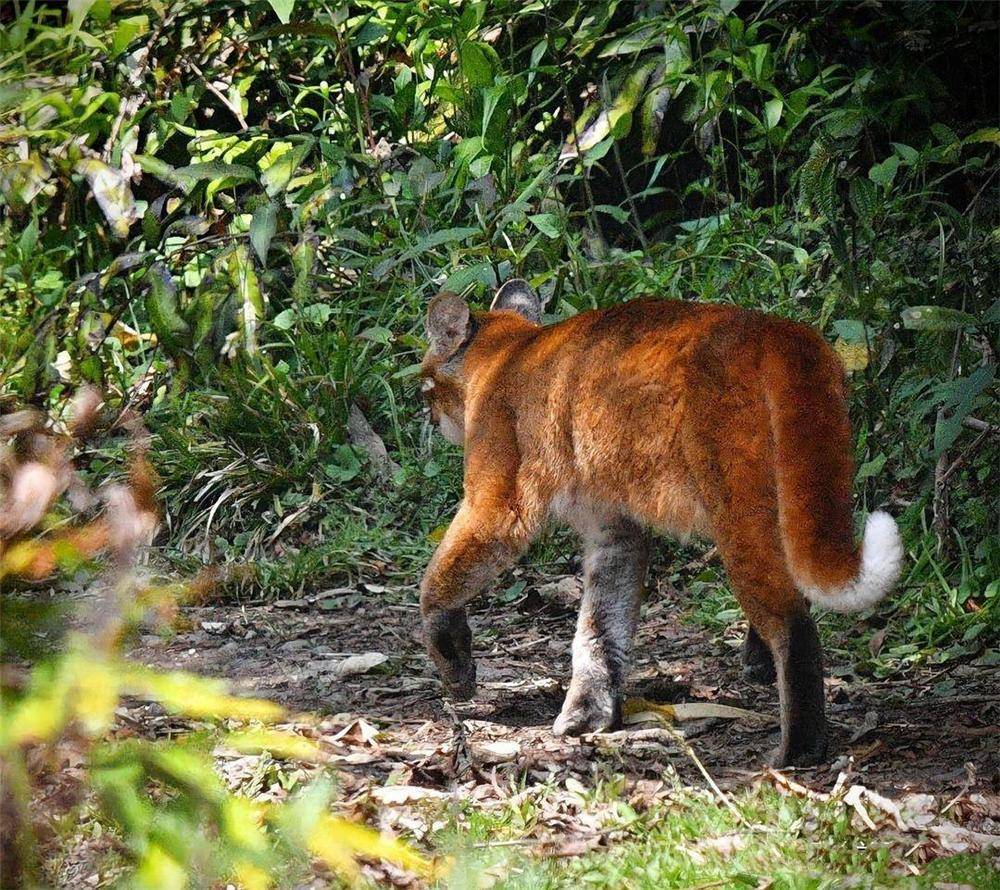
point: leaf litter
(924, 780)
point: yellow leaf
(280, 744)
(853, 355)
(249, 877)
(337, 842)
(195, 696)
(96, 693)
(241, 823)
(437, 534)
(158, 870)
(641, 710)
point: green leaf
(211, 170)
(883, 174)
(654, 108)
(479, 62)
(853, 331)
(127, 31)
(611, 210)
(986, 134)
(870, 468)
(276, 177)
(906, 152)
(283, 9)
(864, 199)
(284, 320)
(961, 393)
(642, 37)
(772, 112)
(163, 309)
(547, 224)
(262, 228)
(936, 318)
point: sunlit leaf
(772, 112)
(935, 318)
(283, 9)
(111, 189)
(279, 744)
(195, 696)
(262, 228)
(854, 355)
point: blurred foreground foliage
(177, 824)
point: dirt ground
(898, 736)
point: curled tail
(803, 380)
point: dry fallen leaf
(641, 710)
(397, 795)
(358, 664)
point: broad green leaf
(211, 170)
(906, 152)
(772, 112)
(283, 9)
(936, 318)
(611, 210)
(961, 395)
(883, 174)
(986, 134)
(853, 330)
(639, 39)
(992, 315)
(870, 468)
(163, 309)
(127, 30)
(278, 174)
(284, 320)
(479, 62)
(547, 224)
(262, 228)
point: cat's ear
(517, 296)
(448, 324)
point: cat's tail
(804, 385)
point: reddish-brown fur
(692, 419)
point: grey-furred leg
(615, 558)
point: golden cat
(684, 418)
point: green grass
(791, 842)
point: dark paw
(449, 644)
(459, 680)
(808, 753)
(595, 714)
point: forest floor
(911, 793)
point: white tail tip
(881, 563)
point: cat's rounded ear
(448, 323)
(517, 295)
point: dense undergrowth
(230, 215)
